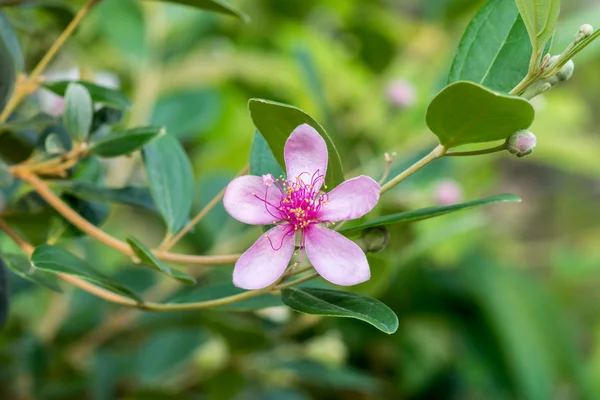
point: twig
(24, 87)
(436, 153)
(171, 242)
(388, 167)
(72, 216)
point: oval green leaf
(262, 160)
(165, 353)
(78, 112)
(147, 258)
(55, 260)
(10, 56)
(430, 212)
(22, 267)
(495, 49)
(188, 113)
(171, 180)
(53, 145)
(276, 121)
(11, 43)
(465, 112)
(99, 94)
(540, 17)
(116, 144)
(334, 303)
(212, 5)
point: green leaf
(78, 112)
(58, 261)
(430, 212)
(10, 41)
(53, 144)
(330, 377)
(6, 178)
(188, 113)
(130, 195)
(213, 5)
(171, 180)
(495, 49)
(166, 353)
(262, 160)
(465, 112)
(21, 266)
(8, 64)
(334, 303)
(99, 94)
(123, 25)
(147, 258)
(4, 294)
(540, 17)
(276, 121)
(124, 142)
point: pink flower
(401, 93)
(448, 192)
(300, 210)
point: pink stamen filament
(299, 206)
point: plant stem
(26, 247)
(297, 281)
(72, 216)
(171, 242)
(388, 167)
(496, 149)
(23, 88)
(436, 153)
(127, 302)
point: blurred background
(496, 303)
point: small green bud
(565, 73)
(584, 32)
(521, 143)
(537, 89)
(374, 240)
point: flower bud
(401, 93)
(268, 180)
(585, 31)
(374, 240)
(566, 72)
(563, 74)
(448, 192)
(521, 143)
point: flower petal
(242, 204)
(261, 264)
(335, 257)
(351, 199)
(305, 153)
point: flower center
(300, 201)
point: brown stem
(24, 88)
(72, 216)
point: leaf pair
(495, 53)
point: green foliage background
(496, 303)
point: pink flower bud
(448, 192)
(268, 180)
(401, 93)
(521, 143)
